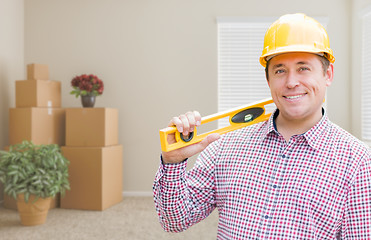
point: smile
(294, 97)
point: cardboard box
(95, 175)
(91, 127)
(39, 125)
(37, 72)
(37, 93)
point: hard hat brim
(290, 49)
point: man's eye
(279, 71)
(303, 69)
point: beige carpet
(134, 218)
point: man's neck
(290, 127)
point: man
(295, 176)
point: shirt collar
(270, 126)
(313, 136)
(317, 133)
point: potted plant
(33, 175)
(88, 87)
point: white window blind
(366, 76)
(241, 78)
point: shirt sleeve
(183, 198)
(358, 209)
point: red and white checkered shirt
(316, 186)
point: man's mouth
(294, 96)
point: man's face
(298, 85)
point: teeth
(293, 97)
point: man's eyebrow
(281, 64)
(277, 65)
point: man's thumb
(209, 139)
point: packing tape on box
(238, 118)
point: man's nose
(292, 80)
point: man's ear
(267, 77)
(329, 74)
(267, 73)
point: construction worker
(294, 176)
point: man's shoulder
(249, 132)
(344, 139)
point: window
(366, 76)
(241, 78)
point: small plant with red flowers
(87, 85)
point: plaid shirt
(316, 186)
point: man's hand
(186, 124)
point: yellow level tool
(238, 118)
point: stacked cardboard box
(95, 170)
(38, 116)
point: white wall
(159, 59)
(357, 10)
(11, 59)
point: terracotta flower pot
(33, 213)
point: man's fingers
(191, 120)
(186, 123)
(197, 117)
(177, 122)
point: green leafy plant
(40, 170)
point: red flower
(87, 85)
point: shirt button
(283, 156)
(266, 216)
(274, 186)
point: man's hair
(324, 61)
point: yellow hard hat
(296, 33)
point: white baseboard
(124, 194)
(136, 194)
